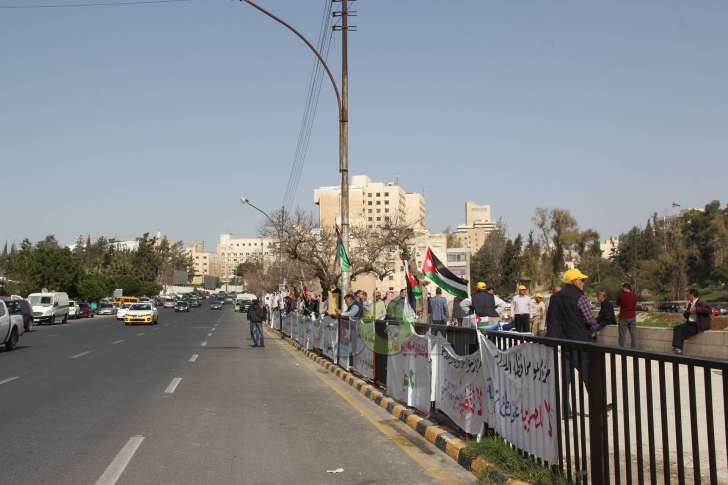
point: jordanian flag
(341, 252)
(438, 273)
(408, 312)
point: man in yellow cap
(538, 323)
(521, 310)
(484, 305)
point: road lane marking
(116, 468)
(140, 334)
(80, 355)
(200, 327)
(9, 379)
(209, 334)
(155, 329)
(192, 359)
(173, 385)
(204, 343)
(117, 342)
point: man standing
(439, 308)
(380, 307)
(483, 303)
(539, 315)
(354, 309)
(606, 311)
(627, 302)
(697, 319)
(521, 310)
(256, 315)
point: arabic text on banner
(519, 396)
(409, 372)
(345, 342)
(329, 338)
(459, 387)
(362, 338)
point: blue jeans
(257, 331)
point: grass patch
(507, 462)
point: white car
(73, 309)
(11, 327)
(144, 312)
(122, 310)
(49, 307)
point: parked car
(20, 306)
(215, 305)
(168, 303)
(11, 327)
(143, 312)
(49, 307)
(670, 307)
(195, 302)
(73, 309)
(105, 308)
(85, 311)
(181, 306)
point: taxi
(145, 313)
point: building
(233, 251)
(458, 261)
(609, 247)
(204, 263)
(371, 204)
(478, 224)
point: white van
(49, 307)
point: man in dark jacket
(483, 304)
(606, 311)
(697, 319)
(256, 315)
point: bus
(120, 300)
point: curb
(438, 435)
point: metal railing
(624, 416)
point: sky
(122, 120)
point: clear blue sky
(120, 120)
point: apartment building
(235, 250)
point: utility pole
(344, 138)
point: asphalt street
(189, 401)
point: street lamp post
(342, 100)
(279, 231)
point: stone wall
(713, 343)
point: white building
(233, 251)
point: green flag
(341, 252)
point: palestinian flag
(414, 292)
(438, 273)
(408, 312)
(341, 252)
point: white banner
(362, 338)
(275, 319)
(409, 370)
(519, 396)
(459, 387)
(329, 338)
(317, 334)
(308, 333)
(345, 342)
(286, 324)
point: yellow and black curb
(436, 434)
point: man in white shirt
(521, 310)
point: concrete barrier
(713, 343)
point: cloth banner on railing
(519, 396)
(362, 348)
(308, 333)
(329, 338)
(300, 328)
(317, 334)
(286, 324)
(459, 387)
(345, 326)
(275, 319)
(409, 369)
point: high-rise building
(233, 251)
(478, 224)
(371, 204)
(204, 263)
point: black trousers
(683, 332)
(523, 322)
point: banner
(362, 348)
(329, 338)
(409, 371)
(459, 387)
(317, 334)
(308, 333)
(275, 319)
(520, 394)
(345, 326)
(286, 324)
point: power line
(94, 4)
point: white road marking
(200, 327)
(155, 329)
(9, 379)
(80, 355)
(209, 334)
(116, 468)
(204, 343)
(140, 334)
(117, 342)
(173, 385)
(192, 359)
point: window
(370, 211)
(379, 202)
(370, 219)
(386, 210)
(386, 202)
(369, 194)
(379, 218)
(370, 202)
(386, 194)
(379, 210)
(378, 194)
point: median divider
(437, 434)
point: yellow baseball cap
(480, 285)
(539, 295)
(573, 275)
(521, 287)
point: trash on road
(338, 470)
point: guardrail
(623, 416)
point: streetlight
(279, 230)
(342, 100)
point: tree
(485, 265)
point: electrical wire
(309, 114)
(93, 4)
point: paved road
(190, 402)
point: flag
(438, 273)
(408, 312)
(675, 204)
(414, 292)
(341, 252)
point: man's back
(439, 308)
(484, 304)
(627, 302)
